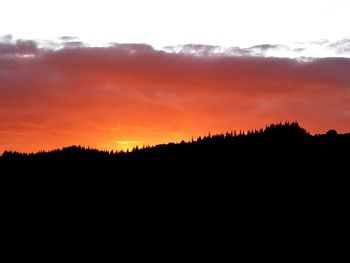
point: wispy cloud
(341, 47)
(68, 38)
(313, 49)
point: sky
(116, 74)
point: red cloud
(101, 96)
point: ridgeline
(286, 147)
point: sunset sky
(116, 74)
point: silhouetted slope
(273, 183)
(275, 140)
(283, 147)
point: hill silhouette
(277, 181)
(281, 165)
(282, 146)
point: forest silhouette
(273, 178)
(282, 147)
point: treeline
(276, 142)
(276, 165)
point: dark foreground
(281, 157)
(278, 149)
(278, 191)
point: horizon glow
(119, 74)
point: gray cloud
(320, 42)
(20, 47)
(212, 50)
(263, 50)
(73, 44)
(68, 38)
(132, 48)
(237, 51)
(194, 49)
(341, 46)
(265, 47)
(6, 38)
(322, 48)
(300, 49)
(208, 50)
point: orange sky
(126, 95)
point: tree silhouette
(276, 147)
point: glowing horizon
(133, 93)
(114, 74)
